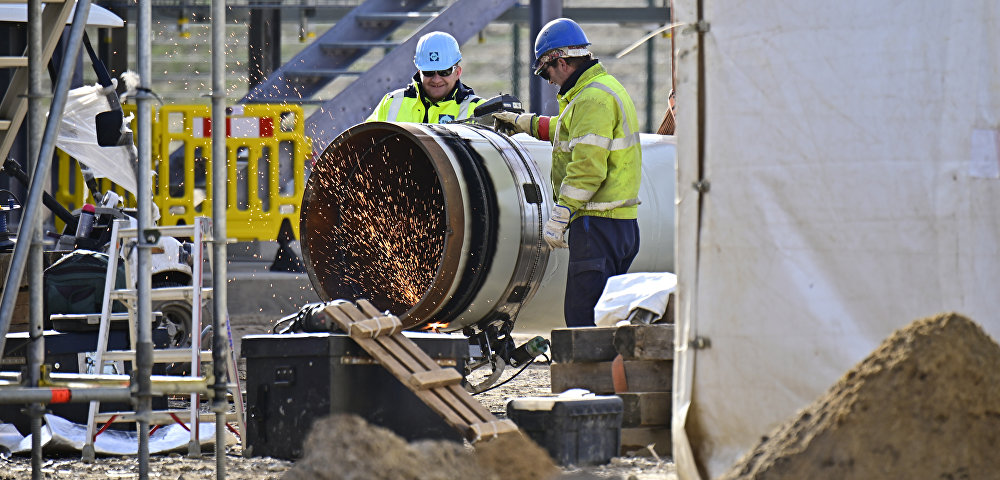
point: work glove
(555, 227)
(510, 123)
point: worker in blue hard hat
(436, 95)
(596, 161)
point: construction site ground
(287, 292)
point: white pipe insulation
(442, 223)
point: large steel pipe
(442, 223)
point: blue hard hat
(561, 32)
(436, 51)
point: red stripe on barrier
(267, 127)
(61, 395)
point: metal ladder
(364, 28)
(120, 246)
(14, 105)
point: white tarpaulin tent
(850, 153)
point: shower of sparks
(435, 327)
(382, 222)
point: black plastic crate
(582, 430)
(295, 379)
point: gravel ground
(533, 381)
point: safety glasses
(543, 70)
(440, 73)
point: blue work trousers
(599, 248)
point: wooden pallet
(381, 336)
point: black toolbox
(294, 379)
(65, 352)
(580, 430)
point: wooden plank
(401, 371)
(639, 441)
(470, 402)
(492, 429)
(405, 351)
(588, 344)
(646, 409)
(454, 395)
(642, 376)
(414, 368)
(435, 378)
(374, 327)
(645, 342)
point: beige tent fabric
(847, 185)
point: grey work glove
(555, 227)
(510, 123)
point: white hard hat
(436, 51)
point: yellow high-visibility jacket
(409, 105)
(596, 156)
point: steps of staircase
(395, 16)
(320, 72)
(357, 44)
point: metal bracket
(700, 343)
(151, 235)
(702, 186)
(701, 26)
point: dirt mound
(345, 447)
(515, 457)
(925, 404)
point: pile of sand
(345, 447)
(925, 404)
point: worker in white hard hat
(596, 165)
(436, 95)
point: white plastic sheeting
(97, 16)
(632, 291)
(59, 434)
(78, 137)
(852, 154)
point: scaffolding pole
(47, 395)
(36, 338)
(146, 238)
(220, 323)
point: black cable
(526, 365)
(285, 324)
(149, 91)
(18, 200)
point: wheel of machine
(175, 318)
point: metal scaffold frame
(38, 388)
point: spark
(385, 221)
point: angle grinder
(483, 114)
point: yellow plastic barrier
(72, 193)
(266, 154)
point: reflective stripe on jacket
(596, 156)
(409, 105)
